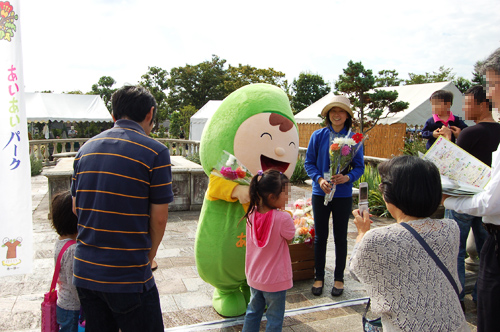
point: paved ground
(185, 298)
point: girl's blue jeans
(67, 319)
(275, 313)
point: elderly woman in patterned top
(407, 289)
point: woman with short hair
(406, 287)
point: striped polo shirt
(117, 175)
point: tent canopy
(417, 95)
(42, 107)
(311, 114)
(200, 118)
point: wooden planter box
(302, 257)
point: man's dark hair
(411, 184)
(64, 220)
(479, 95)
(133, 102)
(347, 123)
(445, 96)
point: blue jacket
(318, 162)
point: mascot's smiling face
(265, 141)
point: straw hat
(338, 101)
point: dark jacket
(430, 126)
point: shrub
(414, 147)
(36, 166)
(299, 175)
(375, 199)
(195, 158)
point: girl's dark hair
(64, 220)
(270, 182)
(411, 184)
(347, 123)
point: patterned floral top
(404, 283)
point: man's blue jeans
(465, 222)
(275, 313)
(125, 311)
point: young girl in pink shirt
(268, 267)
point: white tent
(42, 107)
(417, 95)
(200, 118)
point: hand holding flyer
(461, 173)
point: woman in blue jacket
(338, 117)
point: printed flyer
(461, 172)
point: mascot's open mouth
(268, 163)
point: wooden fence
(384, 141)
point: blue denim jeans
(465, 222)
(275, 313)
(67, 319)
(125, 311)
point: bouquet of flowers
(303, 221)
(342, 150)
(231, 169)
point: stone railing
(47, 150)
(180, 147)
(189, 182)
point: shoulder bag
(376, 324)
(49, 316)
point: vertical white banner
(16, 230)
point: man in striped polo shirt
(121, 188)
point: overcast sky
(69, 45)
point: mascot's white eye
(266, 134)
(292, 143)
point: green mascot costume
(255, 124)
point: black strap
(367, 307)
(432, 254)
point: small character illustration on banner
(11, 257)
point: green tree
(357, 84)
(155, 80)
(210, 80)
(442, 75)
(236, 77)
(307, 89)
(477, 78)
(462, 83)
(76, 92)
(180, 119)
(387, 78)
(104, 89)
(196, 85)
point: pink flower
(228, 173)
(346, 149)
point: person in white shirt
(487, 205)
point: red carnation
(311, 231)
(357, 137)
